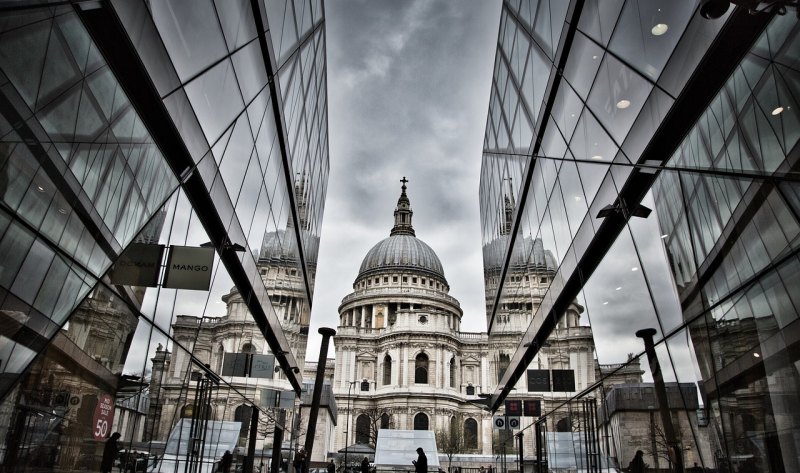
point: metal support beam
(111, 38)
(326, 333)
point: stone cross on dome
(403, 213)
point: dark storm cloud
(408, 93)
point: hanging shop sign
(138, 265)
(189, 267)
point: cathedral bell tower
(402, 214)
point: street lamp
(347, 431)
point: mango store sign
(189, 267)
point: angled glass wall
(653, 155)
(163, 170)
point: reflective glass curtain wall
(599, 112)
(127, 125)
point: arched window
(421, 369)
(387, 370)
(248, 348)
(242, 414)
(453, 372)
(362, 429)
(470, 433)
(420, 422)
(564, 425)
(384, 421)
(220, 357)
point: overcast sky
(408, 94)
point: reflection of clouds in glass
(143, 347)
(371, 149)
(629, 307)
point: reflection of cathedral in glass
(665, 187)
(403, 361)
(232, 345)
(146, 179)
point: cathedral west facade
(403, 362)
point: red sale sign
(103, 416)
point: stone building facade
(232, 344)
(403, 362)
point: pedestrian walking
(110, 452)
(421, 463)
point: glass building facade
(163, 171)
(655, 154)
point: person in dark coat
(365, 465)
(637, 465)
(421, 463)
(226, 462)
(300, 460)
(331, 467)
(110, 452)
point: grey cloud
(408, 92)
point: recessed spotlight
(594, 57)
(634, 268)
(62, 211)
(623, 104)
(597, 157)
(605, 303)
(659, 29)
(757, 355)
(618, 289)
(664, 236)
(40, 188)
(777, 111)
(577, 199)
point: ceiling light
(756, 355)
(40, 188)
(664, 236)
(577, 198)
(634, 268)
(597, 157)
(605, 303)
(619, 288)
(594, 57)
(777, 111)
(62, 211)
(623, 104)
(659, 29)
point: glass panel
(648, 32)
(216, 99)
(191, 33)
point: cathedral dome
(527, 253)
(402, 252)
(281, 247)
